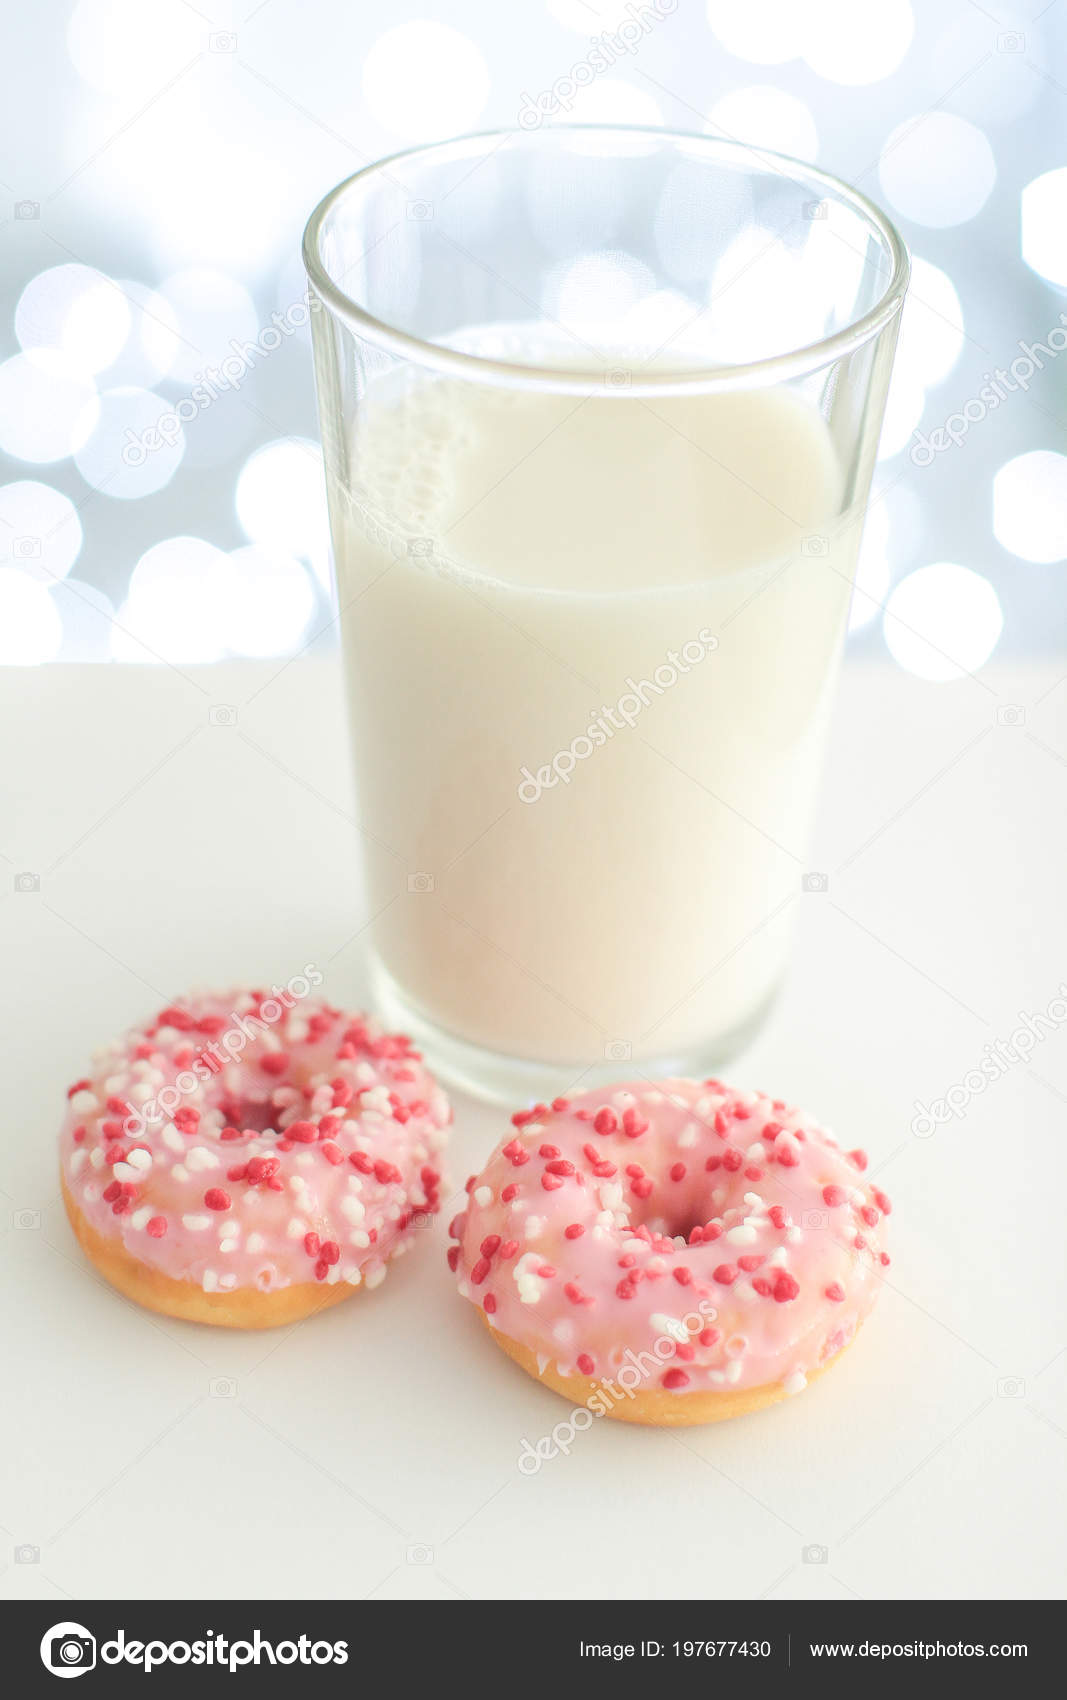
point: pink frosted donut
(247, 1158)
(671, 1254)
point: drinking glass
(599, 410)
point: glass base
(517, 1081)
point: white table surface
(373, 1450)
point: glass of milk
(599, 410)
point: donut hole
(250, 1111)
(675, 1208)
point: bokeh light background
(159, 159)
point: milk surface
(580, 847)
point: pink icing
(254, 1140)
(715, 1239)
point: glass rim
(791, 363)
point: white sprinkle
(140, 1217)
(172, 1138)
(733, 1370)
(542, 1363)
(778, 1255)
(124, 1172)
(353, 1207)
(139, 1159)
(180, 1172)
(296, 1229)
(744, 1291)
(227, 1282)
(352, 1275)
(359, 1236)
(140, 1093)
(794, 1236)
(96, 1157)
(535, 1227)
(483, 1195)
(796, 1382)
(196, 1224)
(84, 1102)
(688, 1136)
(210, 1281)
(564, 1332)
(114, 1085)
(672, 1326)
(255, 1242)
(199, 1157)
(297, 1183)
(755, 1154)
(375, 1275)
(77, 1162)
(742, 1235)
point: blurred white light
(872, 568)
(40, 532)
(596, 290)
(609, 101)
(587, 17)
(931, 327)
(125, 47)
(86, 614)
(1044, 226)
(214, 312)
(849, 43)
(765, 298)
(766, 117)
(903, 411)
(423, 80)
(989, 87)
(46, 410)
(1030, 506)
(272, 601)
(179, 604)
(942, 621)
(281, 497)
(135, 447)
(76, 311)
(688, 241)
(152, 342)
(767, 32)
(937, 169)
(30, 628)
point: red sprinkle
(157, 1227)
(785, 1287)
(490, 1244)
(305, 1133)
(274, 1062)
(480, 1271)
(859, 1158)
(682, 1275)
(675, 1378)
(585, 1363)
(573, 1231)
(677, 1171)
(312, 1244)
(605, 1120)
(835, 1292)
(834, 1195)
(216, 1199)
(489, 1304)
(725, 1274)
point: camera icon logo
(1011, 714)
(26, 549)
(618, 1050)
(27, 209)
(618, 379)
(68, 1649)
(816, 1218)
(1011, 1387)
(815, 882)
(223, 41)
(815, 210)
(420, 545)
(420, 1555)
(420, 882)
(27, 882)
(222, 1387)
(222, 714)
(420, 210)
(815, 545)
(26, 1220)
(26, 1554)
(815, 1554)
(1012, 41)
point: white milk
(513, 569)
